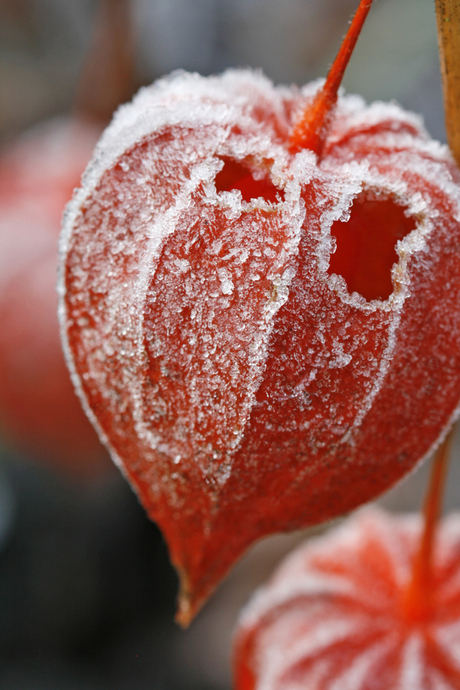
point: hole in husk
(235, 175)
(366, 245)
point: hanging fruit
(260, 305)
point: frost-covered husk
(223, 365)
(334, 610)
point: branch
(448, 19)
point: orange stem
(312, 129)
(420, 588)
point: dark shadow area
(87, 593)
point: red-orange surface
(264, 327)
(39, 411)
(240, 383)
(335, 614)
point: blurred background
(87, 594)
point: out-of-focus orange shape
(336, 614)
(39, 411)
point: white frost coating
(299, 577)
(360, 179)
(224, 117)
(132, 123)
(412, 666)
(148, 113)
(166, 225)
(356, 674)
(296, 639)
(227, 286)
(325, 635)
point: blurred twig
(448, 18)
(107, 78)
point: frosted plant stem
(420, 587)
(448, 19)
(311, 130)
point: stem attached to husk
(311, 130)
(448, 19)
(419, 593)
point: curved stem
(311, 130)
(420, 587)
(448, 20)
